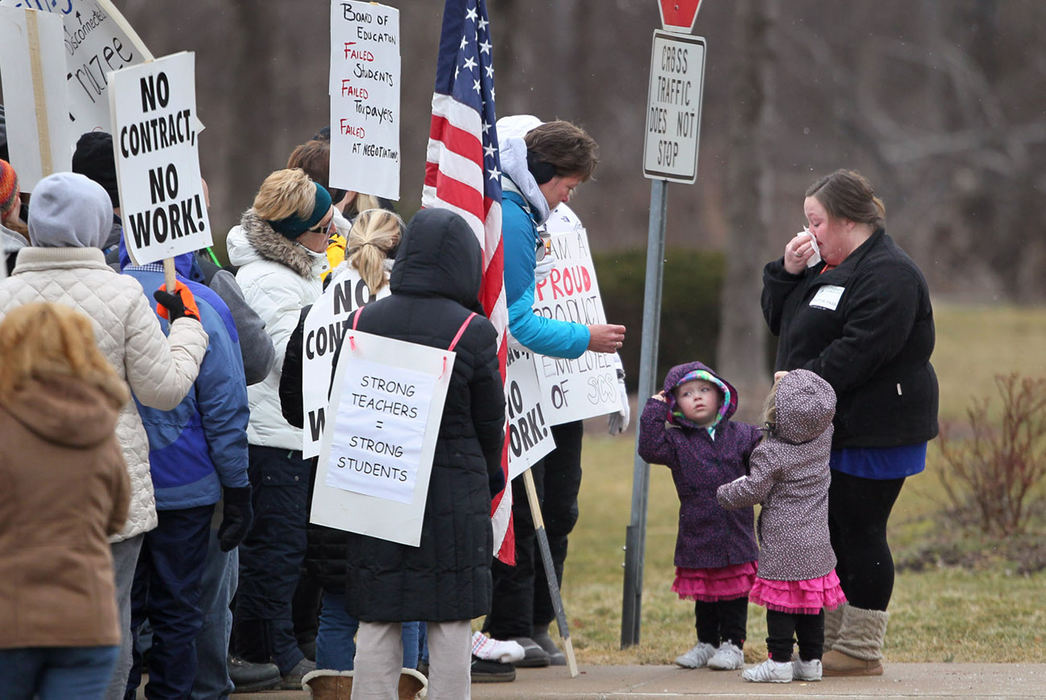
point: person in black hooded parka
(446, 581)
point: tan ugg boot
(833, 619)
(327, 684)
(412, 684)
(858, 649)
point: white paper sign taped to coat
(376, 457)
(585, 386)
(530, 436)
(325, 326)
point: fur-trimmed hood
(255, 239)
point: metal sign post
(673, 122)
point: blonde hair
(47, 339)
(770, 408)
(375, 233)
(283, 193)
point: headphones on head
(541, 170)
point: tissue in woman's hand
(816, 257)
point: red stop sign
(679, 15)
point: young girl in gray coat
(789, 476)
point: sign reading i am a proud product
(376, 458)
(157, 158)
(586, 386)
(365, 98)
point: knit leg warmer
(833, 620)
(858, 649)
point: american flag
(463, 174)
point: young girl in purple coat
(687, 427)
(789, 477)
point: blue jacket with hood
(200, 446)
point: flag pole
(550, 571)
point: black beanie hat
(94, 158)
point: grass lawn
(983, 610)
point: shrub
(996, 470)
(689, 306)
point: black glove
(175, 306)
(237, 516)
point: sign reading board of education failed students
(154, 129)
(365, 98)
(375, 461)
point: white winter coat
(278, 278)
(159, 369)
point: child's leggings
(722, 621)
(784, 629)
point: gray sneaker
(533, 655)
(697, 657)
(292, 679)
(806, 670)
(556, 657)
(727, 658)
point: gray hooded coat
(789, 476)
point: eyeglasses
(322, 228)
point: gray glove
(617, 423)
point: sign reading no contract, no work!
(673, 120)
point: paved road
(661, 682)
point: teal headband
(293, 226)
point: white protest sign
(157, 158)
(365, 98)
(96, 41)
(325, 326)
(375, 463)
(32, 68)
(530, 438)
(585, 386)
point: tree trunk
(741, 353)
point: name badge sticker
(827, 297)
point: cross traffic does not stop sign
(673, 118)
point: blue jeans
(212, 644)
(335, 640)
(167, 593)
(56, 673)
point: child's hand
(659, 396)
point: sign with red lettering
(573, 389)
(679, 15)
(365, 98)
(673, 113)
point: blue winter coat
(709, 536)
(545, 336)
(201, 445)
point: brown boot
(325, 684)
(858, 649)
(411, 684)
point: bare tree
(741, 354)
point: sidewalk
(659, 682)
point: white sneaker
(506, 652)
(727, 658)
(696, 657)
(769, 671)
(806, 670)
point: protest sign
(585, 386)
(157, 158)
(95, 40)
(530, 438)
(32, 68)
(365, 98)
(375, 461)
(325, 326)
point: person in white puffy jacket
(279, 249)
(69, 220)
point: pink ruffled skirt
(802, 597)
(711, 585)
